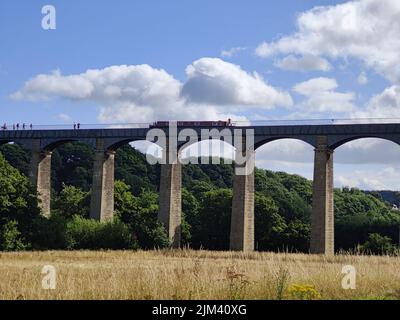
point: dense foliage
(18, 208)
(282, 207)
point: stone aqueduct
(324, 138)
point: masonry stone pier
(40, 175)
(170, 198)
(102, 200)
(322, 217)
(242, 218)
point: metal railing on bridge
(302, 122)
(242, 123)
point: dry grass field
(186, 274)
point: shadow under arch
(115, 145)
(52, 145)
(24, 143)
(2, 142)
(261, 143)
(56, 144)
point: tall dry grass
(186, 274)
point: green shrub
(84, 233)
(10, 237)
(377, 244)
(49, 232)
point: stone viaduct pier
(325, 138)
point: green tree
(72, 201)
(291, 205)
(10, 237)
(296, 237)
(72, 165)
(18, 202)
(377, 244)
(140, 214)
(358, 214)
(268, 223)
(17, 156)
(190, 216)
(132, 168)
(213, 228)
(199, 187)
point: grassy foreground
(186, 274)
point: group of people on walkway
(16, 126)
(24, 126)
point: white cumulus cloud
(214, 81)
(321, 96)
(385, 104)
(232, 51)
(303, 63)
(366, 29)
(139, 93)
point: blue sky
(207, 59)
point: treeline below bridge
(363, 221)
